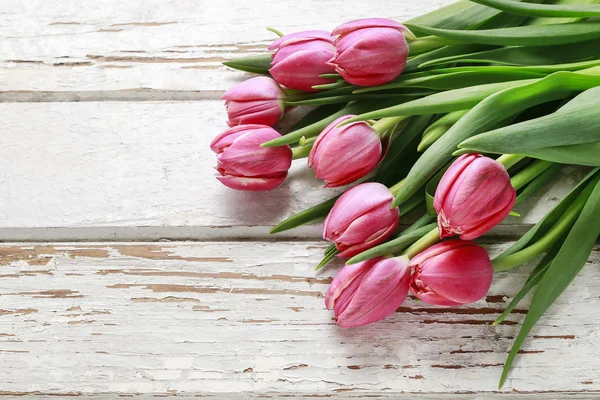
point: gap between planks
(500, 233)
(144, 94)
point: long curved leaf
(445, 102)
(577, 154)
(569, 261)
(543, 10)
(580, 117)
(536, 35)
(534, 55)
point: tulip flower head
(370, 51)
(361, 218)
(300, 58)
(258, 100)
(343, 155)
(451, 273)
(473, 196)
(244, 165)
(366, 292)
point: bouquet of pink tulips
(449, 121)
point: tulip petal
(355, 202)
(347, 275)
(226, 138)
(324, 136)
(462, 274)
(245, 156)
(260, 87)
(251, 184)
(367, 23)
(310, 34)
(345, 152)
(452, 173)
(301, 69)
(382, 290)
(374, 240)
(257, 112)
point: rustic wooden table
(128, 270)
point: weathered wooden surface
(173, 47)
(242, 318)
(218, 317)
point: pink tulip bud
(255, 101)
(370, 51)
(451, 273)
(366, 292)
(474, 195)
(361, 218)
(345, 154)
(244, 165)
(300, 58)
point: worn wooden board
(78, 49)
(143, 171)
(217, 317)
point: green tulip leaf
(536, 35)
(257, 64)
(532, 56)
(450, 51)
(543, 10)
(580, 118)
(569, 261)
(314, 214)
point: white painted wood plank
(226, 317)
(66, 46)
(144, 171)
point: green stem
(275, 31)
(301, 151)
(396, 188)
(385, 126)
(426, 44)
(508, 160)
(546, 241)
(329, 86)
(425, 242)
(529, 173)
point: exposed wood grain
(143, 171)
(66, 46)
(211, 318)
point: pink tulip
(300, 58)
(370, 51)
(366, 292)
(244, 165)
(255, 101)
(451, 273)
(474, 195)
(361, 218)
(345, 154)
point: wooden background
(106, 112)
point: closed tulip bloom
(255, 101)
(300, 58)
(366, 292)
(345, 154)
(361, 218)
(244, 165)
(451, 273)
(474, 195)
(370, 51)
